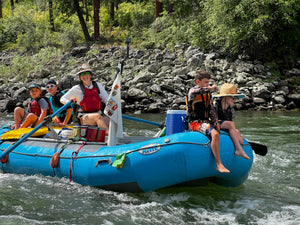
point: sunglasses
(84, 73)
(50, 86)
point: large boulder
(294, 98)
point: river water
(271, 195)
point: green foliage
(28, 28)
(135, 16)
(92, 53)
(70, 36)
(252, 25)
(21, 65)
(265, 29)
(20, 23)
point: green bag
(119, 162)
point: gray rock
(79, 51)
(156, 88)
(194, 62)
(279, 99)
(154, 68)
(294, 98)
(261, 91)
(258, 100)
(136, 93)
(142, 77)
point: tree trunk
(12, 4)
(112, 13)
(85, 3)
(81, 20)
(96, 19)
(169, 7)
(51, 15)
(158, 8)
(1, 9)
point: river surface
(271, 195)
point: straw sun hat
(229, 90)
(85, 68)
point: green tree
(254, 26)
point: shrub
(70, 36)
(135, 16)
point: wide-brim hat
(229, 90)
(85, 68)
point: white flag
(113, 110)
(113, 104)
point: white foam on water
(287, 215)
(17, 219)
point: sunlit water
(271, 195)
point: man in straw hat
(201, 114)
(90, 95)
(225, 111)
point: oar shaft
(12, 147)
(141, 120)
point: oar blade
(259, 149)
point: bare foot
(222, 169)
(242, 154)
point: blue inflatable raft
(134, 164)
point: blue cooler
(175, 121)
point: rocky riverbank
(155, 80)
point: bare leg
(18, 116)
(240, 136)
(95, 119)
(216, 152)
(30, 119)
(235, 137)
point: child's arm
(213, 88)
(41, 117)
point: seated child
(202, 116)
(37, 110)
(225, 111)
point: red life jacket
(34, 107)
(91, 101)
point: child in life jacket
(90, 95)
(224, 107)
(37, 110)
(202, 116)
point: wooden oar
(259, 149)
(46, 120)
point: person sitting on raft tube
(202, 116)
(224, 107)
(37, 110)
(63, 118)
(90, 95)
